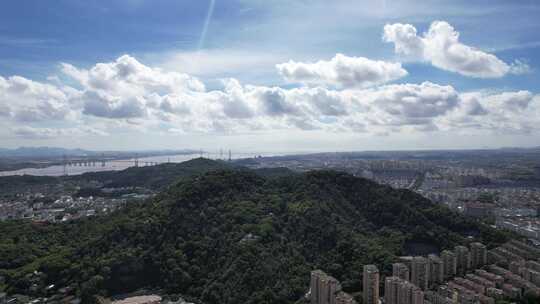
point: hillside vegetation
(234, 236)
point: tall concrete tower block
(401, 271)
(370, 283)
(478, 255)
(463, 259)
(436, 270)
(420, 272)
(450, 264)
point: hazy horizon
(225, 151)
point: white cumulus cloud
(26, 100)
(342, 71)
(125, 88)
(441, 46)
(503, 112)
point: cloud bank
(354, 95)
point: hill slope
(234, 237)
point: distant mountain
(228, 236)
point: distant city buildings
(479, 210)
(527, 227)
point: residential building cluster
(62, 209)
(507, 201)
(527, 227)
(511, 209)
(464, 275)
(467, 275)
(62, 200)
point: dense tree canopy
(233, 236)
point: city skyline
(278, 76)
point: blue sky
(244, 41)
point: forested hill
(234, 236)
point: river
(121, 164)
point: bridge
(102, 162)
